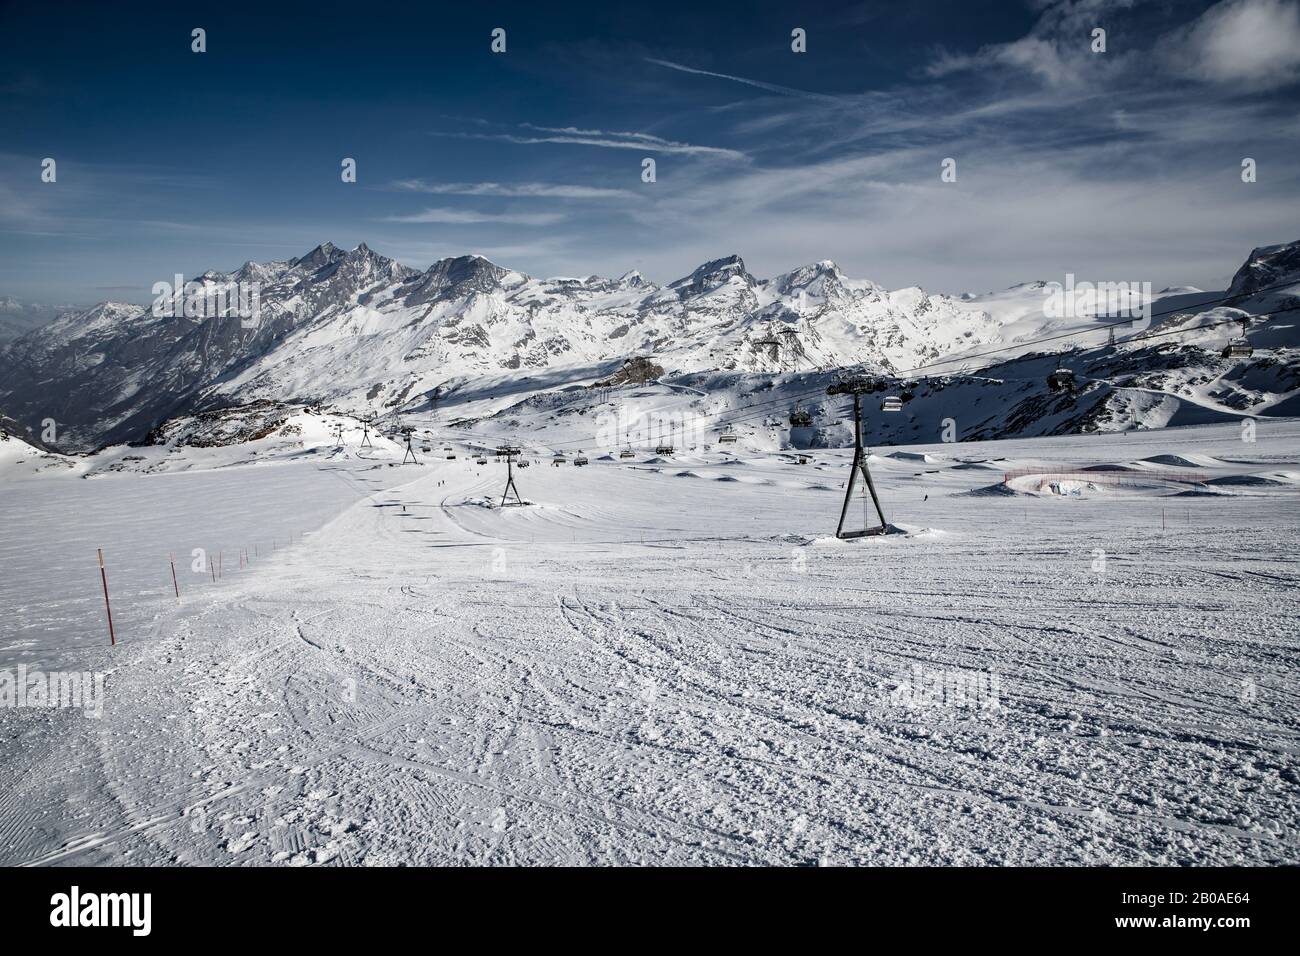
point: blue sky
(1123, 165)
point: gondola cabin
(1238, 350)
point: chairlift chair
(627, 453)
(892, 404)
(1240, 347)
(664, 450)
(1062, 378)
(800, 417)
(580, 461)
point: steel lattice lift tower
(510, 453)
(857, 386)
(773, 346)
(365, 434)
(407, 432)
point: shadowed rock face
(711, 275)
(450, 278)
(1267, 266)
(12, 429)
(113, 372)
(226, 426)
(635, 371)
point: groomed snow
(640, 669)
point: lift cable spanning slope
(910, 372)
(755, 411)
(1201, 307)
(1107, 327)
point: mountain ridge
(355, 329)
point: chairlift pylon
(857, 386)
(408, 433)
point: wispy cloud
(464, 217)
(512, 190)
(644, 142)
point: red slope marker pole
(103, 576)
(171, 558)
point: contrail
(770, 87)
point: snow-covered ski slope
(667, 660)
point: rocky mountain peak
(1267, 266)
(711, 275)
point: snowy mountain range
(356, 331)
